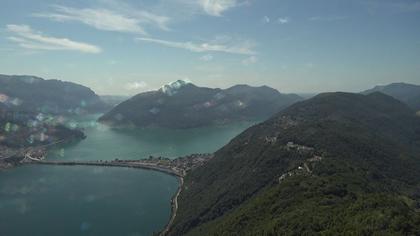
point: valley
(209, 118)
(331, 152)
(147, 195)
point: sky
(296, 46)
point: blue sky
(125, 47)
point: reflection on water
(77, 200)
(104, 143)
(59, 200)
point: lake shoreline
(152, 146)
(177, 167)
(25, 155)
(174, 208)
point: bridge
(139, 164)
(177, 167)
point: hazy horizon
(127, 47)
(325, 139)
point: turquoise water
(53, 200)
(76, 200)
(104, 143)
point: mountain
(335, 164)
(407, 93)
(183, 105)
(24, 134)
(30, 93)
(113, 100)
(20, 129)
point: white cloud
(207, 57)
(123, 19)
(27, 38)
(265, 20)
(283, 20)
(250, 60)
(241, 47)
(217, 7)
(208, 7)
(136, 85)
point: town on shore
(10, 158)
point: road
(125, 163)
(174, 208)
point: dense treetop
(337, 163)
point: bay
(79, 200)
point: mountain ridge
(337, 151)
(405, 92)
(35, 94)
(185, 105)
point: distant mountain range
(335, 164)
(30, 93)
(407, 93)
(183, 105)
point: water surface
(84, 200)
(104, 143)
(61, 200)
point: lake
(81, 200)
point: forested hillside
(336, 163)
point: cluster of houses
(191, 162)
(180, 165)
(291, 146)
(286, 122)
(304, 168)
(10, 157)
